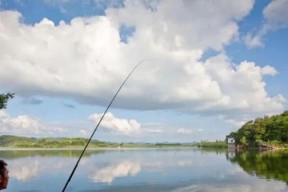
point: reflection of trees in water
(14, 154)
(217, 151)
(271, 165)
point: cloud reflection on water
(121, 169)
(25, 169)
(174, 171)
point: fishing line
(76, 165)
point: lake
(147, 170)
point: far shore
(94, 148)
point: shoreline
(91, 149)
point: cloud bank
(85, 59)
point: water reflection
(268, 164)
(14, 154)
(24, 170)
(121, 169)
(235, 187)
(28, 168)
(147, 170)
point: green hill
(30, 142)
(26, 142)
(8, 140)
(263, 131)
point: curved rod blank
(76, 165)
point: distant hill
(7, 140)
(31, 142)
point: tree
(4, 99)
(256, 132)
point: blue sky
(209, 66)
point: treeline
(30, 142)
(213, 144)
(4, 99)
(263, 131)
(27, 142)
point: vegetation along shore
(10, 141)
(267, 132)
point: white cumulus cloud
(122, 126)
(86, 60)
(254, 40)
(20, 125)
(275, 14)
(29, 126)
(268, 70)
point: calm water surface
(148, 170)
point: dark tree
(4, 99)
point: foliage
(4, 99)
(265, 131)
(25, 142)
(216, 144)
(272, 165)
(76, 143)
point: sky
(206, 67)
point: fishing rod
(76, 165)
